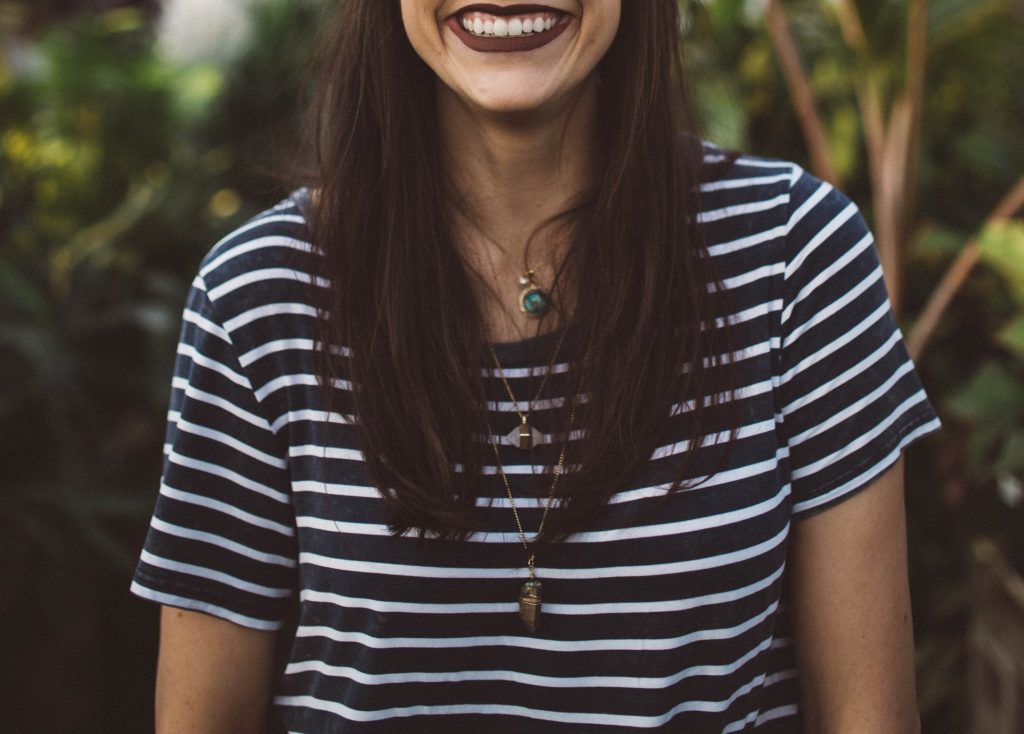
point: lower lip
(507, 44)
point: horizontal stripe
(575, 717)
(208, 467)
(226, 509)
(213, 575)
(527, 679)
(222, 542)
(185, 602)
(571, 647)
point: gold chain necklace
(525, 436)
(530, 596)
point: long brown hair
(404, 305)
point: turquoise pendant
(533, 302)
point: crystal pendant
(529, 604)
(524, 436)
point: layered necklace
(530, 593)
(525, 437)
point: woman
(606, 434)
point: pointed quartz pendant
(529, 604)
(524, 436)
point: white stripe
(218, 576)
(409, 607)
(201, 360)
(313, 416)
(738, 210)
(507, 406)
(278, 345)
(259, 222)
(869, 474)
(221, 542)
(528, 679)
(742, 393)
(821, 315)
(836, 344)
(297, 380)
(336, 489)
(667, 606)
(195, 393)
(258, 276)
(271, 309)
(232, 442)
(258, 243)
(567, 717)
(822, 236)
(226, 509)
(715, 439)
(812, 201)
(833, 268)
(593, 572)
(752, 276)
(752, 162)
(853, 408)
(748, 314)
(536, 643)
(777, 713)
(741, 183)
(582, 610)
(861, 441)
(780, 676)
(724, 248)
(668, 529)
(525, 372)
(184, 602)
(211, 328)
(326, 452)
(844, 377)
(232, 476)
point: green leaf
(993, 397)
(1011, 336)
(1002, 248)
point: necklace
(530, 596)
(524, 435)
(533, 301)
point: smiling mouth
(493, 28)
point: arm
(851, 610)
(213, 676)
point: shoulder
(267, 260)
(770, 208)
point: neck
(512, 174)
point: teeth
(482, 24)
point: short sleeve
(222, 536)
(849, 396)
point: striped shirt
(667, 614)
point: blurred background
(133, 135)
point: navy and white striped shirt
(672, 619)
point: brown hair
(403, 302)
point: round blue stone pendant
(533, 302)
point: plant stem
(800, 92)
(958, 272)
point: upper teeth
(484, 24)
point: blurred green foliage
(119, 170)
